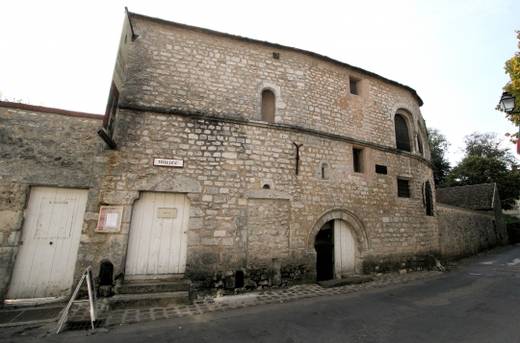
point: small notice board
(109, 220)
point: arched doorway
(335, 250)
(324, 245)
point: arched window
(402, 137)
(428, 198)
(268, 105)
(419, 144)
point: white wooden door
(344, 249)
(158, 239)
(45, 262)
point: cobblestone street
(129, 316)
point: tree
(484, 162)
(512, 68)
(438, 147)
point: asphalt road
(478, 302)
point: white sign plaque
(164, 162)
(167, 212)
(109, 220)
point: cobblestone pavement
(282, 295)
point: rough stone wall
(179, 68)
(193, 95)
(267, 231)
(464, 232)
(235, 224)
(39, 149)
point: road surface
(478, 302)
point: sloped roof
(475, 197)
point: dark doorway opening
(324, 245)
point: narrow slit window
(324, 171)
(428, 198)
(110, 113)
(403, 188)
(419, 144)
(268, 105)
(357, 156)
(354, 86)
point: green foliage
(512, 68)
(438, 147)
(484, 162)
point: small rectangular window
(354, 86)
(357, 155)
(381, 169)
(403, 188)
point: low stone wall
(464, 232)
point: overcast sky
(62, 53)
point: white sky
(62, 53)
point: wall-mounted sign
(167, 212)
(163, 162)
(109, 220)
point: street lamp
(507, 103)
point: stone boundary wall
(464, 232)
(40, 146)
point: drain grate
(77, 325)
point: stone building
(227, 160)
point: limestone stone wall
(464, 232)
(180, 68)
(193, 94)
(237, 224)
(39, 148)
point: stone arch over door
(353, 223)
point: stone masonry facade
(41, 147)
(195, 95)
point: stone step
(153, 286)
(161, 299)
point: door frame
(355, 224)
(137, 277)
